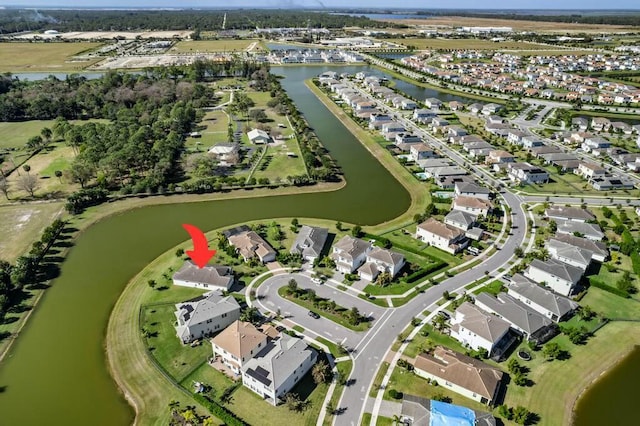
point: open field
(224, 45)
(21, 225)
(213, 130)
(17, 57)
(107, 35)
(466, 43)
(538, 26)
(16, 134)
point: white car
(316, 280)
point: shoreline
(595, 377)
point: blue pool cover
(443, 414)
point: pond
(56, 372)
(612, 399)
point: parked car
(313, 315)
(317, 280)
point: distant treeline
(15, 20)
(606, 19)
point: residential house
(600, 123)
(416, 411)
(408, 104)
(377, 120)
(475, 206)
(237, 344)
(381, 260)
(421, 151)
(310, 242)
(531, 324)
(531, 142)
(590, 231)
(456, 106)
(204, 315)
(440, 235)
(525, 173)
(590, 170)
(568, 213)
(433, 103)
(478, 329)
(277, 368)
(390, 130)
(350, 253)
(407, 138)
(569, 254)
(595, 144)
(560, 277)
(423, 115)
(226, 153)
(456, 131)
(438, 123)
(515, 136)
(459, 219)
(472, 190)
(449, 182)
(249, 245)
(475, 108)
(210, 277)
(599, 251)
(607, 183)
(495, 119)
(499, 156)
(258, 137)
(490, 109)
(460, 373)
(542, 300)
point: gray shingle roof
(461, 218)
(539, 295)
(558, 269)
(310, 241)
(482, 323)
(278, 360)
(559, 249)
(208, 306)
(471, 187)
(574, 213)
(213, 275)
(514, 311)
(587, 229)
(387, 256)
(593, 246)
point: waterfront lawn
(276, 163)
(208, 375)
(54, 57)
(177, 359)
(611, 306)
(256, 411)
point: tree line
(631, 19)
(12, 20)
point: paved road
(268, 299)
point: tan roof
(387, 256)
(478, 203)
(239, 339)
(440, 229)
(591, 166)
(498, 153)
(462, 370)
(249, 244)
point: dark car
(313, 315)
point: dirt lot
(21, 225)
(457, 21)
(102, 35)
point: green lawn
(344, 369)
(209, 376)
(178, 359)
(213, 130)
(433, 338)
(276, 162)
(373, 392)
(493, 288)
(16, 134)
(223, 45)
(20, 57)
(612, 306)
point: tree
(26, 168)
(152, 283)
(521, 415)
(4, 186)
(293, 402)
(173, 405)
(518, 252)
(28, 183)
(339, 226)
(46, 134)
(551, 351)
(292, 286)
(294, 223)
(58, 174)
(321, 373)
(179, 252)
(585, 313)
(251, 315)
(356, 231)
(81, 172)
(354, 316)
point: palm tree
(173, 405)
(26, 168)
(58, 174)
(320, 372)
(46, 134)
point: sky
(470, 4)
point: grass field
(465, 43)
(538, 26)
(224, 45)
(213, 130)
(16, 135)
(20, 225)
(17, 57)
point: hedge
(599, 284)
(220, 412)
(423, 272)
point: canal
(56, 372)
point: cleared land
(16, 135)
(466, 43)
(20, 225)
(225, 45)
(17, 57)
(539, 26)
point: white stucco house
(476, 328)
(205, 315)
(381, 260)
(440, 235)
(558, 276)
(211, 277)
(350, 253)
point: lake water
(56, 372)
(612, 399)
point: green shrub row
(599, 284)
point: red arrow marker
(200, 253)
